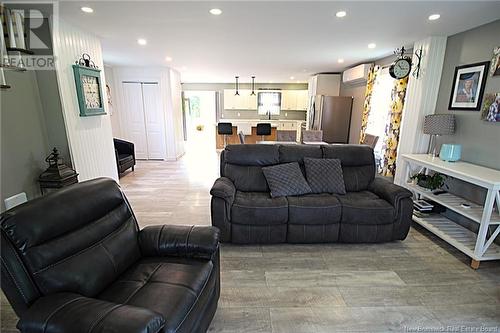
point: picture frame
(495, 62)
(469, 82)
(491, 108)
(89, 91)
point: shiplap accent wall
(90, 138)
(421, 99)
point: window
(269, 102)
(379, 115)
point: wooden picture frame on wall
(469, 82)
(89, 91)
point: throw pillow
(324, 175)
(286, 180)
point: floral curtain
(393, 127)
(372, 75)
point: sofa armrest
(124, 147)
(68, 312)
(224, 188)
(388, 191)
(177, 240)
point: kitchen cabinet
(294, 100)
(245, 101)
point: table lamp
(436, 125)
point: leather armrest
(68, 312)
(177, 240)
(224, 188)
(388, 191)
(124, 147)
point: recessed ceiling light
(215, 11)
(142, 41)
(340, 61)
(87, 10)
(434, 17)
(292, 78)
(372, 45)
(169, 59)
(342, 13)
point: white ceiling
(272, 40)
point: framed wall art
(468, 86)
(89, 90)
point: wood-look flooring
(420, 283)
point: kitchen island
(249, 128)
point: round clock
(400, 68)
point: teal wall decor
(89, 90)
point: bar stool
(263, 129)
(225, 129)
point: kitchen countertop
(254, 122)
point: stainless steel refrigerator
(332, 115)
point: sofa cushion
(256, 208)
(324, 175)
(285, 180)
(314, 209)
(167, 285)
(365, 207)
(358, 164)
(124, 158)
(247, 178)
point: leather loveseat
(75, 261)
(372, 210)
(124, 155)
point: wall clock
(89, 90)
(401, 68)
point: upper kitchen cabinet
(243, 101)
(294, 100)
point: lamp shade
(439, 124)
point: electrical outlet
(239, 114)
(286, 114)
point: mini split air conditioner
(356, 75)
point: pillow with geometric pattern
(286, 180)
(325, 175)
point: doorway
(200, 121)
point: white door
(134, 118)
(153, 116)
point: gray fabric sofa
(372, 210)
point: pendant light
(253, 86)
(237, 86)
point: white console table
(479, 247)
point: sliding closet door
(133, 110)
(154, 120)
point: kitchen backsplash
(252, 114)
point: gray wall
(479, 139)
(24, 139)
(248, 114)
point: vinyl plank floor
(421, 282)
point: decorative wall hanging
(401, 68)
(88, 87)
(416, 70)
(495, 62)
(236, 86)
(491, 108)
(468, 86)
(253, 86)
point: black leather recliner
(124, 154)
(373, 210)
(76, 261)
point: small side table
(46, 184)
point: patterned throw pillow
(286, 180)
(324, 175)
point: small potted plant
(431, 182)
